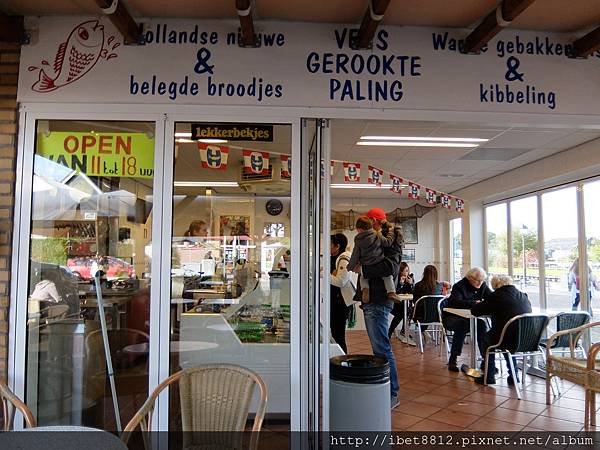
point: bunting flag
(396, 184)
(445, 200)
(286, 166)
(460, 204)
(213, 156)
(430, 196)
(256, 162)
(375, 175)
(351, 172)
(414, 190)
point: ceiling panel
(525, 139)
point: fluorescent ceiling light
(183, 140)
(416, 144)
(359, 186)
(213, 141)
(183, 135)
(205, 184)
(422, 138)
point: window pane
(497, 257)
(91, 211)
(523, 216)
(560, 246)
(456, 250)
(591, 192)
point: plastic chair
(520, 338)
(566, 321)
(426, 312)
(10, 403)
(213, 397)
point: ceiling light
(205, 184)
(417, 144)
(213, 141)
(183, 135)
(180, 140)
(422, 138)
(359, 186)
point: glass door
(86, 306)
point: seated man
(465, 293)
(501, 305)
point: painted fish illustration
(75, 57)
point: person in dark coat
(465, 293)
(403, 286)
(501, 305)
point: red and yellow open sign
(100, 154)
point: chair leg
(420, 334)
(593, 408)
(514, 374)
(549, 388)
(485, 367)
(587, 415)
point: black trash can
(359, 393)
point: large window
(560, 248)
(497, 250)
(88, 299)
(591, 192)
(525, 260)
(455, 250)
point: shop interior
(231, 249)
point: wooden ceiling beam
(11, 29)
(493, 23)
(587, 44)
(122, 20)
(373, 16)
(244, 10)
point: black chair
(426, 313)
(563, 343)
(520, 338)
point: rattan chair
(581, 371)
(10, 403)
(426, 312)
(213, 397)
(527, 330)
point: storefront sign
(233, 132)
(307, 65)
(100, 154)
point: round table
(59, 437)
(174, 347)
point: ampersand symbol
(202, 65)
(513, 64)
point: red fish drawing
(76, 56)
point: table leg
(472, 371)
(405, 324)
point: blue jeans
(376, 321)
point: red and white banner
(351, 172)
(396, 184)
(460, 204)
(375, 175)
(414, 190)
(213, 156)
(286, 166)
(430, 196)
(256, 162)
(445, 200)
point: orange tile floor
(434, 399)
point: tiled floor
(431, 398)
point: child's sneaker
(393, 296)
(365, 295)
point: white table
(465, 313)
(405, 298)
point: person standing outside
(377, 311)
(342, 289)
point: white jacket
(344, 279)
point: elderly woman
(501, 305)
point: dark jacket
(419, 291)
(393, 254)
(369, 247)
(464, 294)
(502, 305)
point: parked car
(115, 268)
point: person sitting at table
(429, 285)
(197, 228)
(464, 295)
(404, 286)
(501, 305)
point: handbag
(357, 291)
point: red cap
(376, 214)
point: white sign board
(83, 60)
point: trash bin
(359, 393)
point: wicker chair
(10, 402)
(528, 330)
(426, 312)
(581, 371)
(213, 397)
